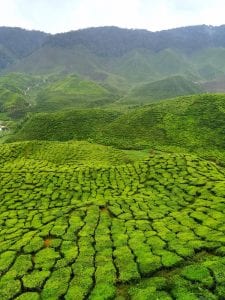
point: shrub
(169, 259)
(103, 291)
(35, 279)
(22, 265)
(125, 263)
(105, 273)
(45, 258)
(148, 263)
(198, 273)
(9, 288)
(35, 244)
(6, 259)
(57, 285)
(70, 250)
(29, 296)
(79, 286)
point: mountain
(166, 88)
(113, 41)
(16, 43)
(122, 58)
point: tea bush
(153, 229)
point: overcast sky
(63, 15)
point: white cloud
(102, 12)
(10, 15)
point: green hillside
(15, 93)
(133, 67)
(70, 92)
(118, 57)
(66, 125)
(136, 66)
(21, 93)
(195, 123)
(163, 89)
(58, 59)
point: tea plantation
(147, 228)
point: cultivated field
(151, 229)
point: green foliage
(28, 296)
(45, 258)
(57, 285)
(15, 99)
(9, 288)
(6, 259)
(170, 87)
(35, 244)
(174, 125)
(169, 259)
(77, 153)
(21, 266)
(149, 229)
(35, 279)
(70, 92)
(81, 220)
(66, 125)
(198, 273)
(103, 291)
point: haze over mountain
(112, 164)
(118, 56)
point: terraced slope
(146, 230)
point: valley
(112, 164)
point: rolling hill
(79, 124)
(72, 91)
(166, 88)
(195, 123)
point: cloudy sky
(64, 15)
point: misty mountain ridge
(125, 62)
(115, 56)
(188, 39)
